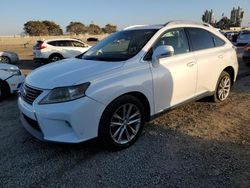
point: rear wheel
(122, 122)
(55, 57)
(223, 87)
(4, 59)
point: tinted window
(175, 38)
(77, 44)
(62, 43)
(53, 43)
(217, 41)
(200, 39)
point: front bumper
(70, 122)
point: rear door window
(61, 43)
(218, 41)
(200, 39)
(77, 44)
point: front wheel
(4, 59)
(223, 87)
(122, 122)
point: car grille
(29, 94)
(32, 123)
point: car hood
(69, 72)
(8, 66)
(7, 53)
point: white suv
(57, 49)
(125, 80)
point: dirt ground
(202, 144)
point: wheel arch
(54, 54)
(6, 87)
(231, 72)
(140, 96)
(144, 100)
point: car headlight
(13, 71)
(64, 94)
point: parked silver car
(8, 57)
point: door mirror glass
(162, 52)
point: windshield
(120, 46)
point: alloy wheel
(224, 88)
(4, 59)
(55, 58)
(125, 123)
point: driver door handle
(191, 64)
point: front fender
(135, 79)
(4, 75)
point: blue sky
(14, 13)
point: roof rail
(207, 24)
(133, 26)
(186, 22)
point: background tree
(76, 28)
(224, 23)
(110, 28)
(94, 29)
(35, 28)
(53, 28)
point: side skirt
(206, 94)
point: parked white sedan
(8, 57)
(11, 79)
(125, 80)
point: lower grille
(29, 94)
(32, 123)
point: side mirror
(161, 52)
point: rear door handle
(220, 56)
(191, 64)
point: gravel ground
(201, 144)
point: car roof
(137, 27)
(170, 23)
(59, 39)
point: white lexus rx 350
(125, 80)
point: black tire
(217, 94)
(2, 93)
(5, 59)
(55, 57)
(106, 127)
